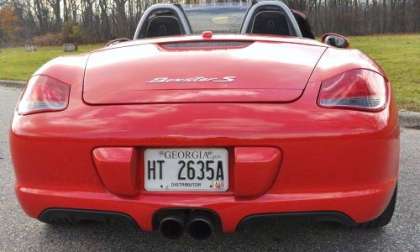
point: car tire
(383, 219)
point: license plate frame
(170, 169)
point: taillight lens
(359, 89)
(44, 94)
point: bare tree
(101, 20)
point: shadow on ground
(265, 235)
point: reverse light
(359, 89)
(44, 94)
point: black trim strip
(62, 215)
(320, 216)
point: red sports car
(212, 116)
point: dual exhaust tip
(199, 227)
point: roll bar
(179, 12)
(261, 4)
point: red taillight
(359, 89)
(44, 94)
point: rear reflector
(359, 89)
(44, 94)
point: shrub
(10, 28)
(48, 39)
(72, 33)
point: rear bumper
(332, 160)
(359, 206)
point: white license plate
(186, 169)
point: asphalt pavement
(21, 233)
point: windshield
(219, 18)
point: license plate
(186, 169)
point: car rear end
(226, 130)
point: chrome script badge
(196, 79)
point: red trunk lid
(249, 71)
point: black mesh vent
(204, 45)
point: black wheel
(385, 217)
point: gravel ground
(21, 233)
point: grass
(17, 64)
(399, 55)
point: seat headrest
(160, 26)
(270, 22)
